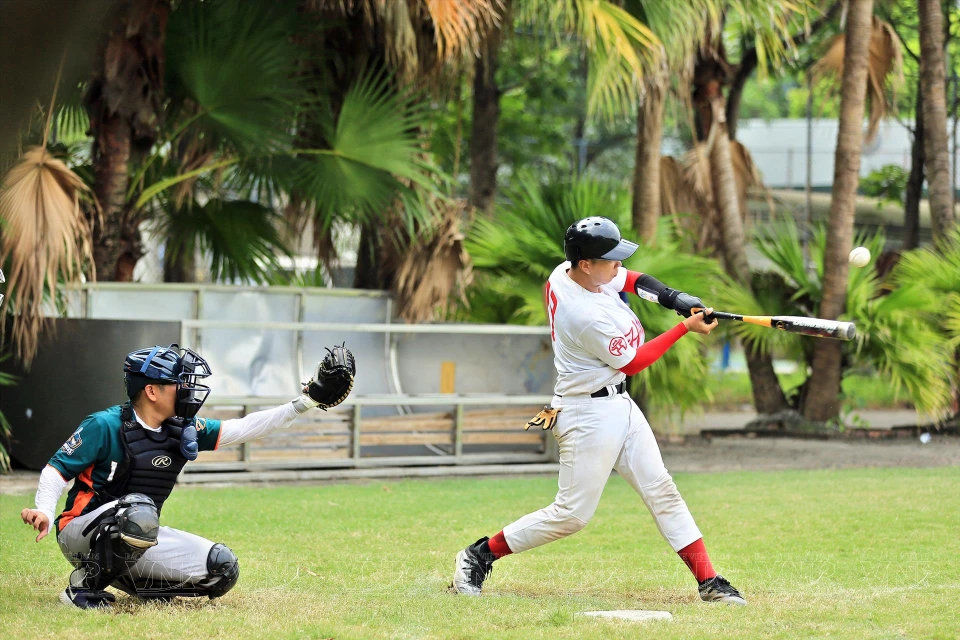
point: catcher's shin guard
(120, 537)
(222, 563)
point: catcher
(124, 462)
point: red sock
(697, 560)
(498, 546)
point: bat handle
(708, 318)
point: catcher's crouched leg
(120, 538)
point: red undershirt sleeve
(630, 285)
(651, 351)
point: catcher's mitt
(333, 380)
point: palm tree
(45, 239)
(124, 100)
(822, 401)
(619, 50)
(672, 23)
(932, 88)
(771, 28)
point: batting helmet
(596, 238)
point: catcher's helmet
(596, 238)
(171, 365)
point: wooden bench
(326, 435)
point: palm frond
(618, 46)
(458, 24)
(885, 71)
(372, 156)
(229, 71)
(240, 237)
(435, 268)
(45, 239)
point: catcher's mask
(169, 365)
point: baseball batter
(597, 342)
(124, 462)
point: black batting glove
(683, 303)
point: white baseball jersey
(593, 334)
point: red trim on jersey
(696, 558)
(630, 286)
(498, 546)
(651, 351)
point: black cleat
(87, 598)
(472, 569)
(717, 589)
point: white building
(779, 149)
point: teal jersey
(93, 452)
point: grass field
(847, 554)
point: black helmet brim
(622, 251)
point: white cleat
(471, 570)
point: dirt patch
(767, 454)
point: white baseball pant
(595, 436)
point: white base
(634, 615)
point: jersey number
(552, 303)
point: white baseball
(860, 257)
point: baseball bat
(815, 327)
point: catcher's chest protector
(152, 461)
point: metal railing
(354, 460)
(193, 328)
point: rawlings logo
(618, 346)
(162, 461)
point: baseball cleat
(471, 570)
(87, 598)
(717, 589)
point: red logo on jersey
(552, 304)
(618, 346)
(635, 336)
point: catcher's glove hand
(333, 380)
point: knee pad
(138, 521)
(222, 563)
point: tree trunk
(914, 190)
(822, 401)
(933, 89)
(110, 181)
(710, 76)
(368, 274)
(646, 170)
(744, 70)
(124, 101)
(180, 266)
(486, 118)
